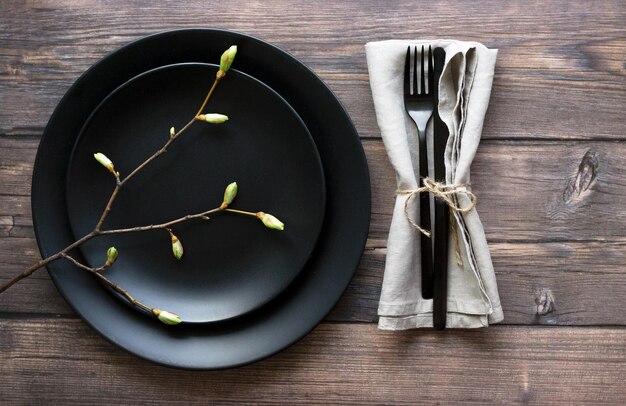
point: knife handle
(442, 211)
(440, 276)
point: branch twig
(117, 288)
(231, 191)
(119, 183)
(162, 225)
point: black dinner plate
(295, 311)
(231, 264)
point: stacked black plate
(244, 292)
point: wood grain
(526, 365)
(524, 189)
(587, 285)
(565, 80)
(549, 175)
(553, 224)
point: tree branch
(118, 186)
(117, 288)
(162, 225)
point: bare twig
(124, 292)
(27, 272)
(161, 151)
(117, 288)
(242, 212)
(82, 266)
(162, 225)
(119, 183)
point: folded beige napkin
(464, 91)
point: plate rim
(354, 140)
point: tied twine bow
(447, 193)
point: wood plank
(527, 190)
(63, 361)
(566, 80)
(541, 283)
(530, 191)
(585, 282)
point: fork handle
(425, 242)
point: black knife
(442, 213)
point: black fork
(420, 103)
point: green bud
(172, 132)
(227, 58)
(112, 254)
(229, 194)
(213, 118)
(106, 162)
(177, 246)
(166, 317)
(271, 221)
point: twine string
(447, 193)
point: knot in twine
(443, 191)
(447, 193)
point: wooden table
(550, 176)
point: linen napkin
(464, 91)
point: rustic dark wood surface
(550, 176)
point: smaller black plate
(231, 264)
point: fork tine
(422, 82)
(431, 73)
(415, 71)
(407, 72)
